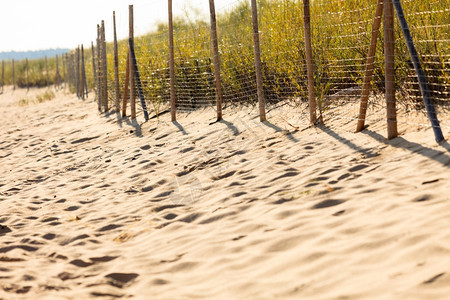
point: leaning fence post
(389, 66)
(369, 67)
(215, 45)
(420, 74)
(172, 66)
(130, 66)
(309, 62)
(258, 69)
(116, 67)
(138, 80)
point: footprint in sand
(14, 288)
(164, 207)
(4, 230)
(327, 203)
(121, 279)
(433, 279)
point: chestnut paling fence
(349, 60)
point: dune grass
(341, 31)
(40, 98)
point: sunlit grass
(40, 98)
(341, 31)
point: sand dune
(91, 207)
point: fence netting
(429, 22)
(341, 33)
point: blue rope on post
(420, 73)
(138, 80)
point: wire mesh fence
(342, 33)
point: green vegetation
(45, 96)
(37, 72)
(341, 31)
(42, 97)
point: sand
(91, 207)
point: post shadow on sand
(109, 113)
(236, 131)
(120, 120)
(137, 127)
(230, 125)
(333, 134)
(180, 127)
(399, 142)
(134, 123)
(278, 129)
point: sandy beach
(92, 207)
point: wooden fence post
(369, 67)
(125, 90)
(130, 65)
(172, 66)
(116, 68)
(84, 90)
(70, 70)
(77, 71)
(99, 71)
(94, 70)
(216, 57)
(80, 74)
(105, 68)
(258, 69)
(432, 116)
(58, 76)
(309, 62)
(389, 66)
(74, 71)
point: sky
(41, 24)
